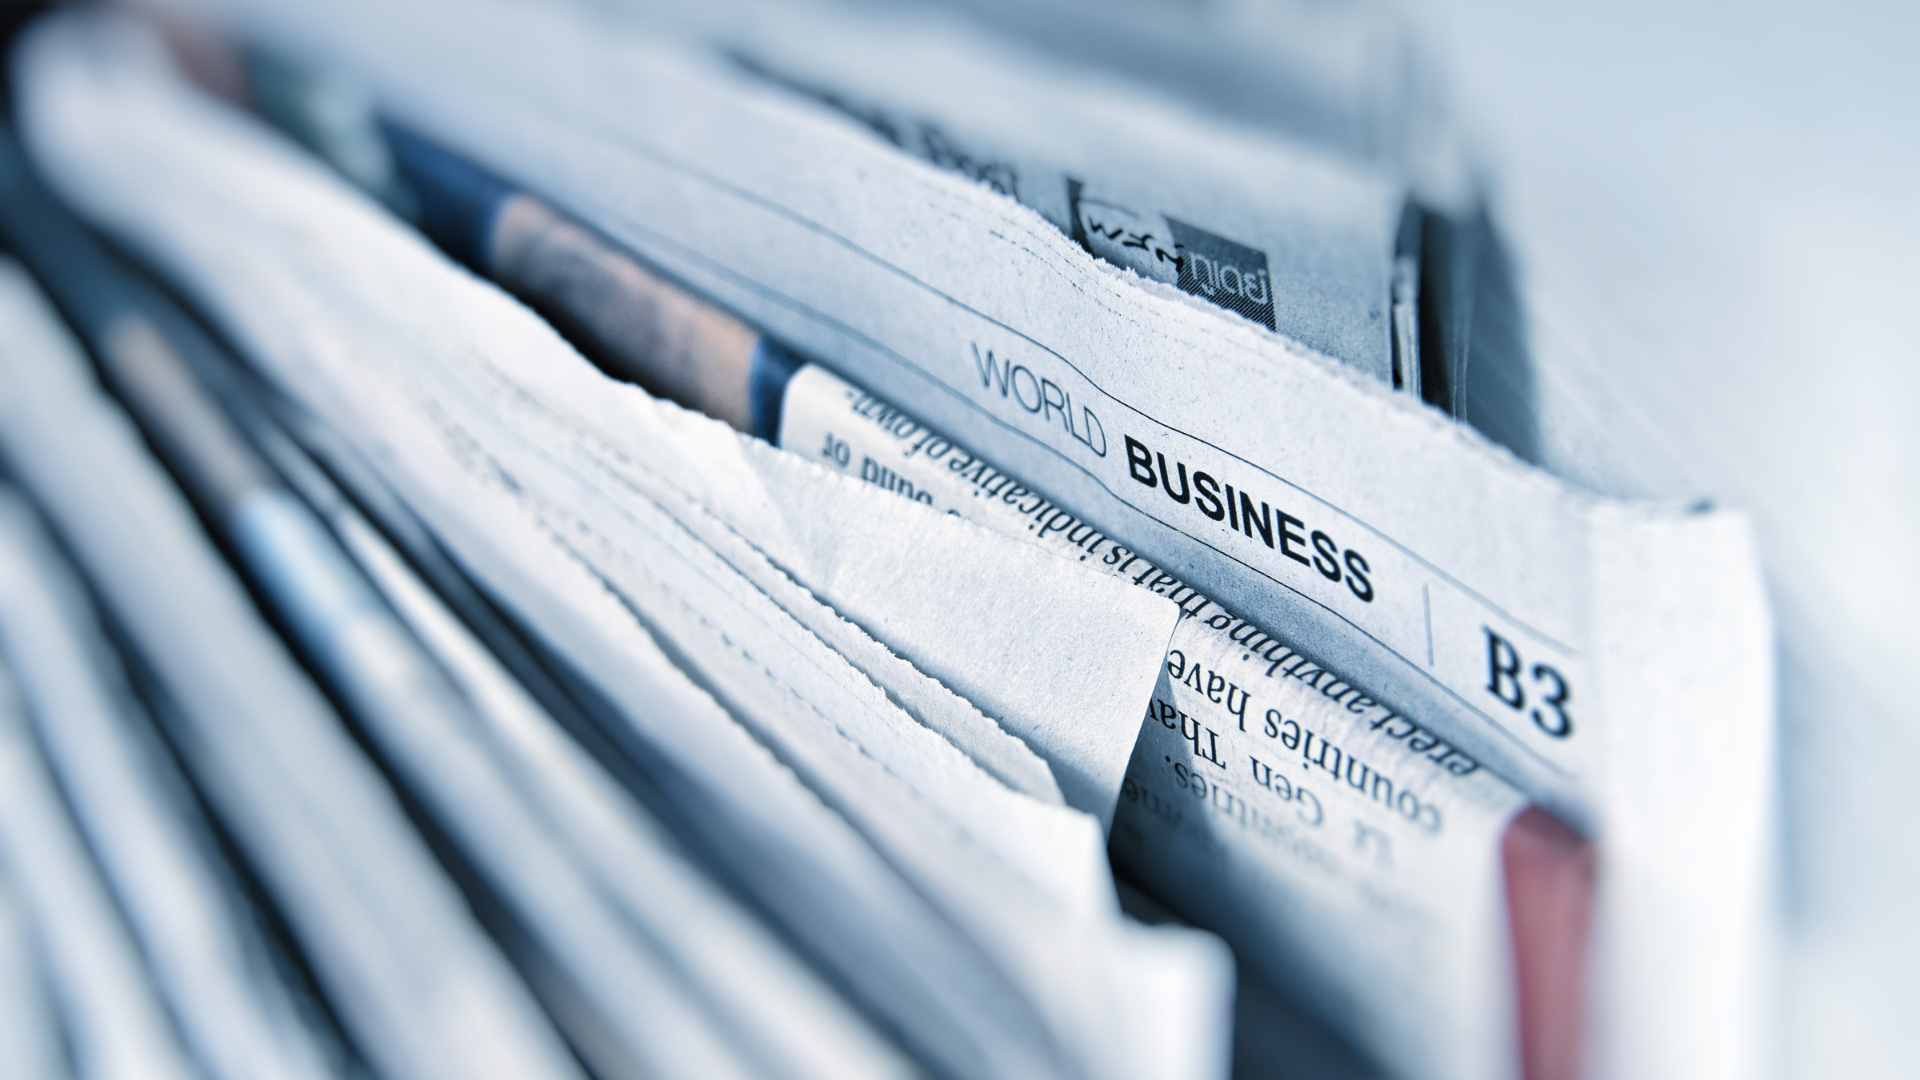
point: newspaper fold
(1612, 659)
(978, 920)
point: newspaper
(202, 948)
(421, 988)
(608, 989)
(1281, 234)
(1338, 109)
(1442, 922)
(29, 1035)
(978, 920)
(1340, 845)
(792, 1023)
(1613, 660)
(1354, 78)
(114, 1021)
(1277, 231)
(1509, 614)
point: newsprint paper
(1611, 660)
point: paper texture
(572, 943)
(1545, 635)
(715, 954)
(234, 1017)
(1006, 628)
(935, 340)
(424, 993)
(1338, 844)
(797, 1025)
(979, 920)
(1279, 233)
(1461, 586)
(115, 1023)
(29, 1033)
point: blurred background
(1714, 210)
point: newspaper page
(984, 918)
(114, 1020)
(1281, 234)
(1613, 660)
(154, 851)
(1340, 845)
(790, 1019)
(1223, 111)
(1276, 231)
(29, 1034)
(312, 815)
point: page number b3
(1509, 679)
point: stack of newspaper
(822, 541)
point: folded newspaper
(1105, 526)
